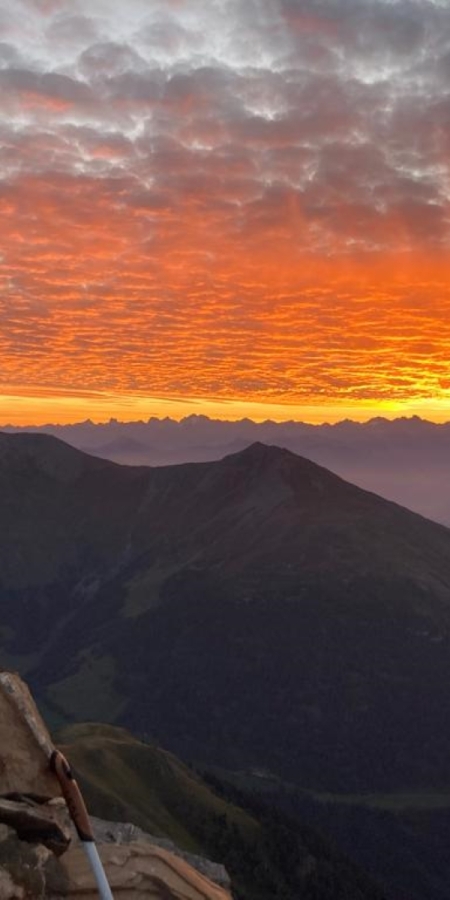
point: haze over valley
(406, 460)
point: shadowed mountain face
(253, 612)
(405, 460)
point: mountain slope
(253, 612)
(405, 459)
(267, 854)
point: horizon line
(244, 419)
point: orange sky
(223, 215)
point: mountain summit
(252, 612)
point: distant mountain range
(405, 460)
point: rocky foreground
(41, 857)
(136, 868)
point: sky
(238, 207)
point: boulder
(25, 743)
(23, 874)
(37, 823)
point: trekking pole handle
(80, 818)
(72, 795)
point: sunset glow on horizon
(237, 209)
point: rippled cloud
(232, 199)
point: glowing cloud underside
(239, 205)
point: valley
(253, 614)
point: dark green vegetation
(400, 839)
(254, 613)
(267, 854)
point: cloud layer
(245, 198)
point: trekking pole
(23, 703)
(80, 818)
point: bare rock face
(24, 763)
(36, 823)
(126, 833)
(138, 871)
(23, 867)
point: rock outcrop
(36, 823)
(126, 833)
(137, 870)
(41, 857)
(24, 764)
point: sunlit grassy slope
(267, 854)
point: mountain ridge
(210, 605)
(258, 453)
(257, 613)
(404, 459)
